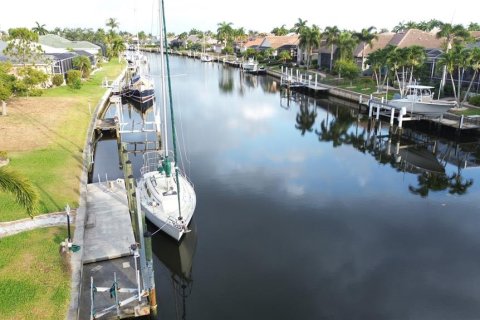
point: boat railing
(152, 160)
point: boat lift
(114, 291)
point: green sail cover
(167, 167)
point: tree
(415, 58)
(346, 43)
(40, 29)
(473, 26)
(309, 39)
(331, 35)
(348, 69)
(30, 79)
(224, 32)
(74, 79)
(366, 37)
(83, 64)
(280, 31)
(452, 34)
(284, 55)
(22, 46)
(449, 60)
(299, 25)
(142, 37)
(118, 46)
(474, 63)
(6, 81)
(112, 23)
(23, 190)
(400, 27)
(250, 52)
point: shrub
(475, 100)
(74, 79)
(83, 64)
(3, 155)
(57, 80)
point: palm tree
(40, 29)
(396, 59)
(400, 27)
(309, 39)
(280, 31)
(451, 33)
(415, 57)
(299, 25)
(366, 36)
(224, 32)
(474, 63)
(118, 46)
(449, 61)
(112, 23)
(284, 55)
(25, 194)
(331, 36)
(346, 43)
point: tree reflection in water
(348, 127)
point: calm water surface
(307, 211)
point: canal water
(306, 210)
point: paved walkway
(41, 221)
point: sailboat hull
(160, 204)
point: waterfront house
(277, 43)
(52, 43)
(411, 37)
(57, 57)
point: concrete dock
(107, 256)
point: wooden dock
(304, 83)
(111, 279)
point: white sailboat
(166, 195)
(205, 57)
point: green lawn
(34, 278)
(468, 112)
(55, 169)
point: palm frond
(25, 193)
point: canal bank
(48, 134)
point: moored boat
(419, 99)
(250, 65)
(141, 89)
(166, 195)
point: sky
(258, 15)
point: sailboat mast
(170, 100)
(163, 75)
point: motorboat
(250, 65)
(419, 99)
